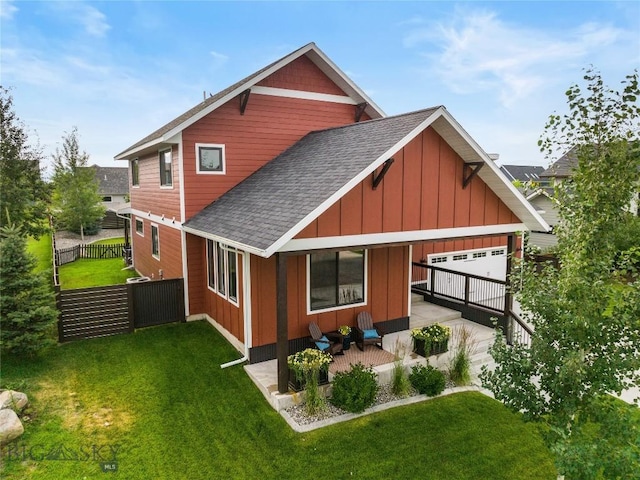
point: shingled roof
(112, 180)
(524, 173)
(562, 167)
(287, 193)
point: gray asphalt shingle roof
(563, 167)
(523, 173)
(263, 208)
(112, 180)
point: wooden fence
(71, 254)
(102, 311)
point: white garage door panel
(485, 262)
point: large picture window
(209, 158)
(222, 270)
(336, 279)
(166, 176)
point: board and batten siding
(387, 290)
(270, 125)
(421, 191)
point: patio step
(424, 313)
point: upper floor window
(166, 177)
(210, 158)
(336, 279)
(135, 173)
(155, 241)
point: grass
(109, 241)
(41, 249)
(85, 272)
(160, 396)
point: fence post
(466, 289)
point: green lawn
(109, 241)
(160, 397)
(85, 272)
(41, 249)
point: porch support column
(508, 296)
(282, 327)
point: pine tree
(27, 304)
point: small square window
(139, 227)
(210, 158)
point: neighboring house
(289, 197)
(527, 177)
(113, 187)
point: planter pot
(435, 348)
(346, 342)
(298, 385)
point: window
(460, 257)
(155, 241)
(479, 254)
(336, 279)
(140, 227)
(166, 178)
(106, 198)
(222, 270)
(135, 173)
(438, 259)
(497, 252)
(209, 158)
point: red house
(289, 197)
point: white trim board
(304, 244)
(300, 94)
(160, 220)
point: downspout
(246, 300)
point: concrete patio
(265, 374)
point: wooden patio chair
(327, 342)
(366, 332)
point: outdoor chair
(327, 342)
(366, 332)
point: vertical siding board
(351, 211)
(411, 189)
(392, 195)
(379, 278)
(430, 176)
(396, 288)
(302, 74)
(446, 186)
(372, 207)
(329, 221)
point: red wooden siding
(268, 127)
(197, 267)
(421, 191)
(170, 261)
(149, 196)
(302, 74)
(220, 309)
(387, 294)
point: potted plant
(306, 364)
(345, 331)
(431, 340)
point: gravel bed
(385, 395)
(66, 239)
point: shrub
(400, 380)
(427, 380)
(464, 346)
(356, 389)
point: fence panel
(158, 302)
(93, 312)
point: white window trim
(135, 221)
(339, 307)
(214, 263)
(165, 187)
(155, 225)
(222, 159)
(136, 185)
(225, 295)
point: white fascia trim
(348, 82)
(409, 279)
(185, 271)
(160, 220)
(304, 95)
(482, 155)
(226, 241)
(351, 184)
(128, 153)
(183, 207)
(305, 244)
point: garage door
(485, 262)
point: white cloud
(219, 57)
(7, 10)
(92, 20)
(476, 52)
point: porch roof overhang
(263, 214)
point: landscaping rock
(12, 399)
(10, 426)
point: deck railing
(518, 331)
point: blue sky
(119, 70)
